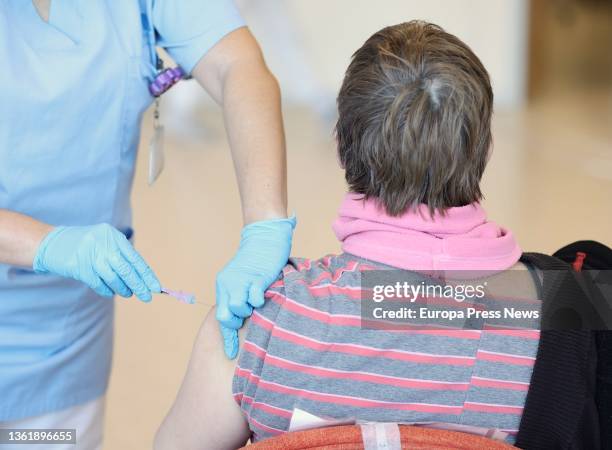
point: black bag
(569, 402)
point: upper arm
(204, 414)
(238, 48)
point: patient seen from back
(414, 137)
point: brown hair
(414, 120)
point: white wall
(308, 43)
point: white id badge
(156, 154)
(156, 147)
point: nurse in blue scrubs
(73, 89)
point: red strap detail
(579, 261)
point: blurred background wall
(325, 34)
(570, 46)
(308, 44)
(549, 179)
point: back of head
(414, 122)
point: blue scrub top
(73, 92)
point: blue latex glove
(101, 257)
(263, 252)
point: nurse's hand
(99, 256)
(263, 252)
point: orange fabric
(348, 437)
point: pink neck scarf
(463, 239)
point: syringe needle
(181, 296)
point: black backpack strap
(560, 409)
(598, 257)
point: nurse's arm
(205, 414)
(20, 236)
(235, 74)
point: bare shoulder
(204, 410)
(209, 338)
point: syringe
(181, 296)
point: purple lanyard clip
(165, 80)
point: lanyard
(163, 80)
